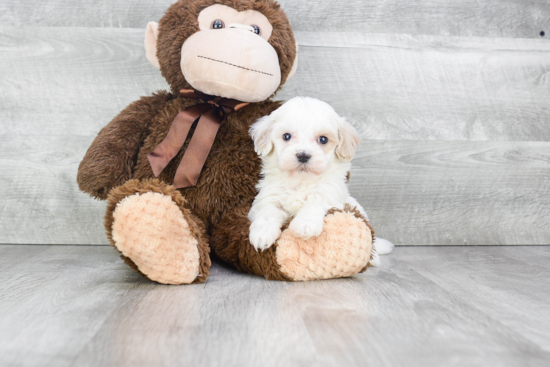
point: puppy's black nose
(303, 157)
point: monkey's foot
(342, 249)
(151, 228)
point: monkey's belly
(231, 171)
(227, 179)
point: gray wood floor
(426, 306)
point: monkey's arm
(109, 160)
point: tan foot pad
(342, 249)
(150, 229)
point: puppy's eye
(218, 24)
(256, 29)
(322, 140)
(287, 137)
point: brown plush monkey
(176, 185)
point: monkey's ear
(151, 34)
(348, 139)
(294, 66)
(260, 132)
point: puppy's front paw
(306, 228)
(263, 234)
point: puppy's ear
(348, 141)
(260, 132)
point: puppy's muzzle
(303, 157)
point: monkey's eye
(218, 24)
(287, 137)
(322, 140)
(256, 29)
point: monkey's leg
(146, 221)
(343, 248)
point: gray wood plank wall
(488, 18)
(451, 100)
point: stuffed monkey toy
(179, 168)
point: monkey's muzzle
(231, 63)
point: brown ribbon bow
(210, 115)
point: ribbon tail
(174, 140)
(195, 156)
(232, 105)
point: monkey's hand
(98, 174)
(109, 161)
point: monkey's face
(234, 53)
(231, 56)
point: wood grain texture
(390, 87)
(426, 306)
(39, 197)
(60, 86)
(70, 81)
(416, 193)
(490, 18)
(429, 88)
(455, 193)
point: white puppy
(305, 149)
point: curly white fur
(305, 148)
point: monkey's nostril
(303, 157)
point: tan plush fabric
(151, 230)
(343, 249)
(231, 63)
(181, 22)
(196, 226)
(230, 16)
(151, 35)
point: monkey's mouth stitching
(237, 66)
